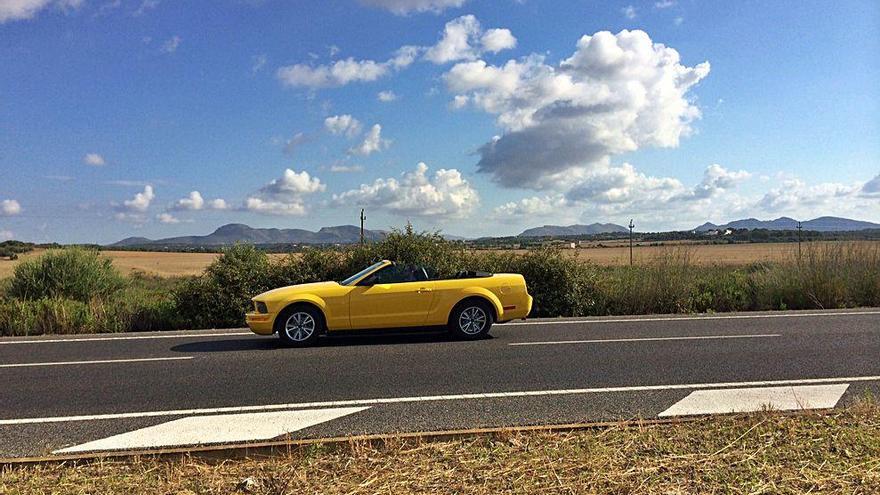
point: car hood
(283, 292)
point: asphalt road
(87, 393)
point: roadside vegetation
(837, 452)
(75, 290)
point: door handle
(424, 289)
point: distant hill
(572, 230)
(237, 232)
(821, 224)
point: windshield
(350, 280)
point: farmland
(168, 264)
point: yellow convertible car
(391, 295)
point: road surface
(71, 394)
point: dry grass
(151, 263)
(762, 453)
(177, 264)
(702, 254)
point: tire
(466, 315)
(299, 326)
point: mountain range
(821, 224)
(237, 232)
(572, 230)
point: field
(837, 452)
(177, 264)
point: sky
(159, 118)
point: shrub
(221, 296)
(72, 273)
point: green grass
(838, 452)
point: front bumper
(260, 323)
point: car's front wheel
(299, 326)
(471, 320)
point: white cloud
(295, 142)
(797, 196)
(534, 206)
(194, 202)
(629, 12)
(146, 5)
(446, 194)
(94, 159)
(167, 218)
(258, 62)
(717, 179)
(664, 4)
(372, 143)
(171, 44)
(872, 187)
(259, 205)
(14, 10)
(9, 207)
(285, 195)
(345, 71)
(464, 39)
(495, 40)
(218, 204)
(6, 235)
(337, 74)
(343, 124)
(615, 94)
(141, 201)
(339, 168)
(404, 7)
(386, 96)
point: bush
(221, 296)
(72, 273)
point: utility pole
(800, 227)
(631, 226)
(363, 217)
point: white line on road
(432, 398)
(739, 400)
(693, 318)
(100, 361)
(650, 339)
(223, 428)
(128, 337)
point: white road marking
(432, 398)
(223, 428)
(99, 361)
(692, 318)
(738, 400)
(127, 337)
(650, 339)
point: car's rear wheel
(471, 319)
(299, 326)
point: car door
(395, 296)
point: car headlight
(261, 307)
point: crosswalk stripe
(739, 400)
(215, 429)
